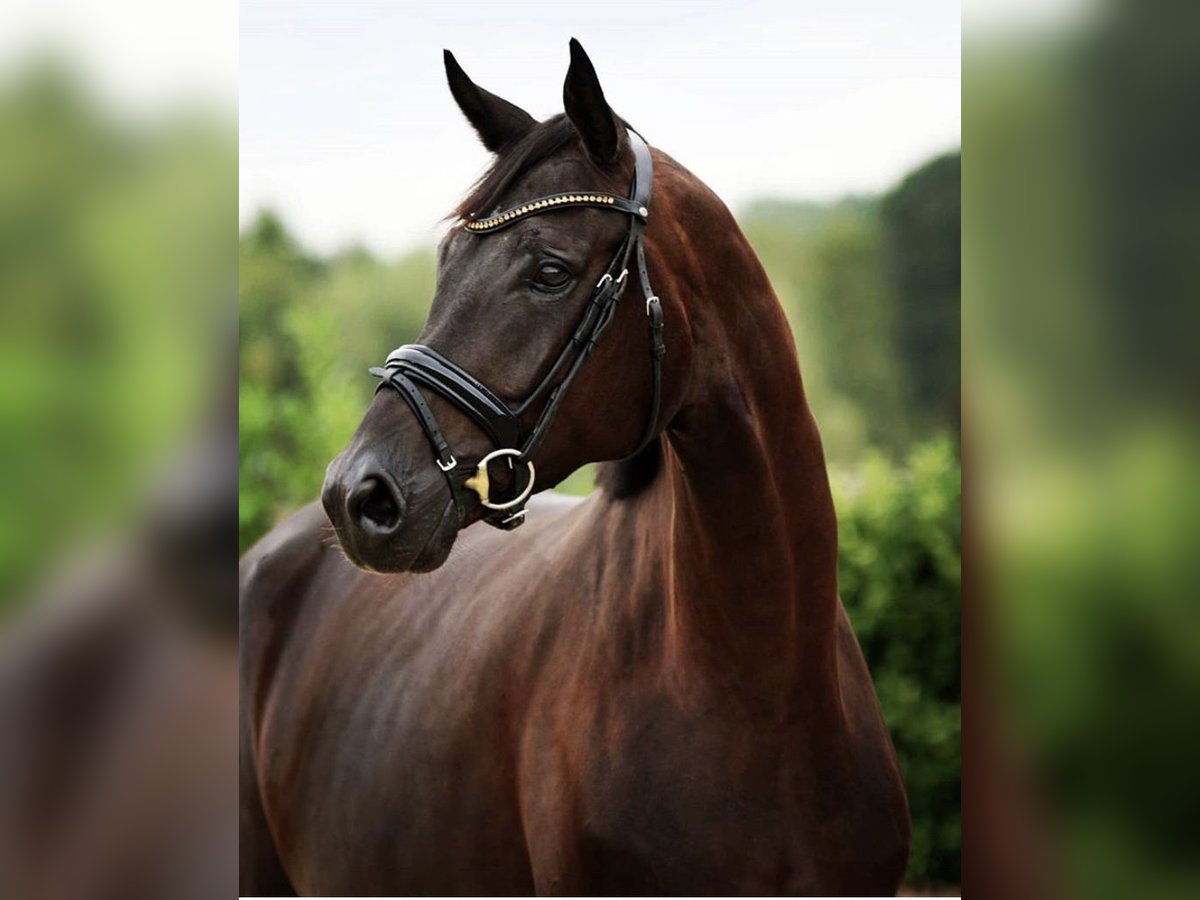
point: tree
(922, 246)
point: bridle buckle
(508, 523)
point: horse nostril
(373, 504)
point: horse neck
(753, 553)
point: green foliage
(117, 283)
(824, 263)
(923, 228)
(1100, 642)
(900, 539)
(309, 329)
(871, 289)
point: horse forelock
(514, 161)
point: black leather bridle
(412, 367)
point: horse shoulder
(277, 579)
(291, 546)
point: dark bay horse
(653, 690)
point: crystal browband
(542, 204)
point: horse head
(510, 387)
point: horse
(652, 690)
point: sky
(347, 128)
(348, 131)
(142, 58)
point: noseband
(414, 366)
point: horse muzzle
(383, 526)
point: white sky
(140, 56)
(348, 130)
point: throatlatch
(412, 367)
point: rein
(412, 367)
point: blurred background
(117, 268)
(1081, 366)
(118, 280)
(118, 256)
(832, 132)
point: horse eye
(552, 275)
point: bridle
(412, 367)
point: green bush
(310, 327)
(900, 537)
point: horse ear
(588, 110)
(495, 120)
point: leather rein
(412, 367)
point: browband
(556, 201)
